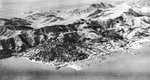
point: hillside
(76, 36)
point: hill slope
(76, 36)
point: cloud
(21, 0)
(89, 1)
(0, 4)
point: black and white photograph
(74, 39)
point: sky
(42, 3)
(15, 7)
(11, 7)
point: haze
(10, 8)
